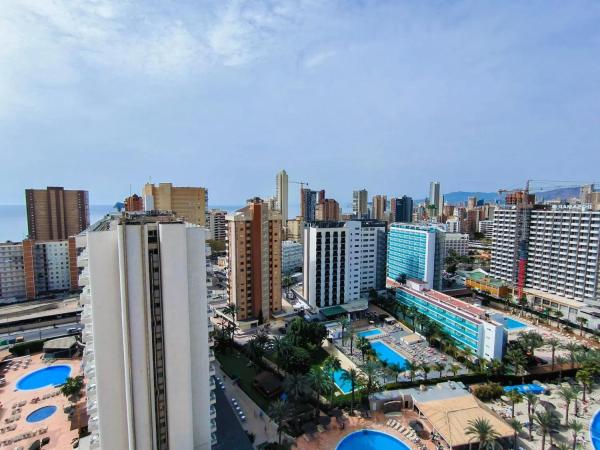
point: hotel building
(416, 251)
(148, 356)
(188, 203)
(469, 326)
(401, 209)
(254, 260)
(343, 261)
(55, 213)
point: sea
(13, 218)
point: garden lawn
(235, 365)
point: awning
(333, 311)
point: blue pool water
(512, 324)
(595, 431)
(526, 388)
(343, 385)
(48, 376)
(385, 353)
(367, 333)
(370, 440)
(41, 414)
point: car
(73, 330)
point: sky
(384, 95)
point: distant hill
(558, 194)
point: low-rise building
(482, 281)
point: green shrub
(25, 348)
(488, 391)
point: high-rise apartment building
(134, 203)
(30, 269)
(216, 224)
(472, 203)
(379, 207)
(343, 261)
(148, 357)
(416, 251)
(456, 242)
(486, 227)
(281, 194)
(436, 199)
(360, 204)
(295, 229)
(308, 204)
(291, 257)
(327, 209)
(402, 209)
(55, 213)
(254, 260)
(453, 224)
(188, 203)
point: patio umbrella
(309, 427)
(324, 420)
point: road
(44, 332)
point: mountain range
(456, 198)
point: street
(44, 332)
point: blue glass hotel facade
(415, 251)
(466, 324)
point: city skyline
(184, 93)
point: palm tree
(439, 367)
(557, 315)
(482, 430)
(396, 370)
(516, 358)
(71, 389)
(363, 344)
(331, 365)
(231, 310)
(426, 368)
(371, 370)
(351, 335)
(560, 362)
(412, 367)
(567, 394)
(553, 343)
(576, 428)
(582, 321)
(547, 421)
(281, 347)
(514, 397)
(585, 378)
(532, 400)
(454, 368)
(319, 383)
(345, 323)
(412, 313)
(279, 411)
(517, 428)
(572, 348)
(296, 385)
(353, 377)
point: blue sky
(386, 95)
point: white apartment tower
(148, 355)
(281, 195)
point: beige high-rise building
(295, 229)
(328, 209)
(55, 213)
(379, 207)
(281, 187)
(188, 203)
(254, 258)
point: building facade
(55, 213)
(416, 251)
(216, 224)
(436, 199)
(379, 207)
(148, 356)
(291, 257)
(457, 242)
(12, 272)
(343, 261)
(469, 326)
(254, 260)
(401, 209)
(308, 204)
(486, 227)
(281, 194)
(327, 209)
(134, 203)
(188, 203)
(295, 229)
(360, 204)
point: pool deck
(330, 438)
(58, 425)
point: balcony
(213, 398)
(211, 370)
(213, 426)
(213, 412)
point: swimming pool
(41, 414)
(513, 324)
(369, 333)
(526, 388)
(370, 440)
(48, 376)
(385, 353)
(595, 431)
(343, 385)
